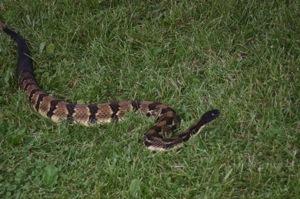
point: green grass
(240, 57)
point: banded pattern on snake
(59, 110)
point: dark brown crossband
(39, 100)
(53, 105)
(115, 108)
(136, 105)
(93, 110)
(32, 93)
(29, 84)
(165, 110)
(71, 110)
(153, 105)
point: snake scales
(59, 110)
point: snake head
(209, 116)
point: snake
(159, 137)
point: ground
(239, 57)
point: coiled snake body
(59, 110)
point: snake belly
(157, 138)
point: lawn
(241, 57)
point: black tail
(24, 60)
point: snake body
(157, 138)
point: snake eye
(215, 113)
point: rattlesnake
(89, 114)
